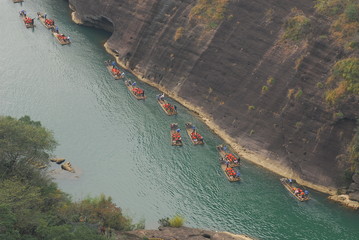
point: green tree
(23, 142)
(99, 210)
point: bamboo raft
(174, 127)
(163, 103)
(191, 129)
(57, 160)
(132, 89)
(230, 178)
(290, 187)
(109, 68)
(61, 41)
(67, 166)
(223, 154)
(42, 19)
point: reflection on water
(121, 147)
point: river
(120, 146)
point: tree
(99, 210)
(23, 142)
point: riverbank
(251, 152)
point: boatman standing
(113, 64)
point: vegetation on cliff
(297, 26)
(344, 79)
(344, 15)
(209, 12)
(31, 205)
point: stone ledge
(344, 200)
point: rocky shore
(182, 233)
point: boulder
(356, 178)
(354, 196)
(354, 187)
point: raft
(57, 160)
(40, 16)
(109, 68)
(61, 41)
(174, 127)
(17, 1)
(189, 129)
(67, 166)
(229, 177)
(169, 112)
(132, 89)
(223, 153)
(290, 187)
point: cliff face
(263, 91)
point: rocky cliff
(258, 86)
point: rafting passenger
(162, 97)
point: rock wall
(223, 70)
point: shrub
(332, 96)
(298, 62)
(296, 27)
(176, 221)
(264, 89)
(270, 81)
(164, 222)
(290, 93)
(320, 85)
(298, 125)
(179, 33)
(298, 94)
(210, 12)
(345, 71)
(339, 115)
(352, 13)
(251, 107)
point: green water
(120, 146)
